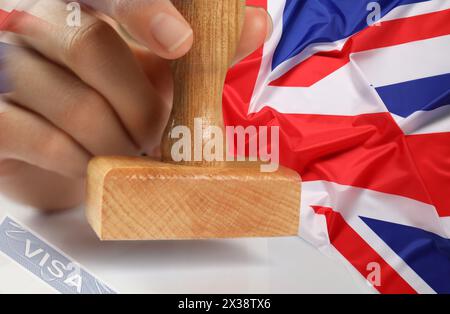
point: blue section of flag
(424, 94)
(426, 253)
(314, 21)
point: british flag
(364, 116)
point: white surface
(284, 265)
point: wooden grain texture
(137, 199)
(200, 75)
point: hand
(78, 92)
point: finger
(101, 58)
(67, 102)
(156, 23)
(39, 188)
(256, 30)
(27, 137)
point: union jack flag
(364, 116)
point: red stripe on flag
(360, 254)
(431, 153)
(389, 33)
(367, 151)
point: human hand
(79, 92)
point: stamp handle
(199, 76)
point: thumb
(257, 29)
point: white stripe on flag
(345, 92)
(424, 122)
(417, 9)
(406, 62)
(353, 201)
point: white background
(281, 265)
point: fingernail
(169, 32)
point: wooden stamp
(143, 199)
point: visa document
(29, 264)
(16, 279)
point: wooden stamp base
(139, 199)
